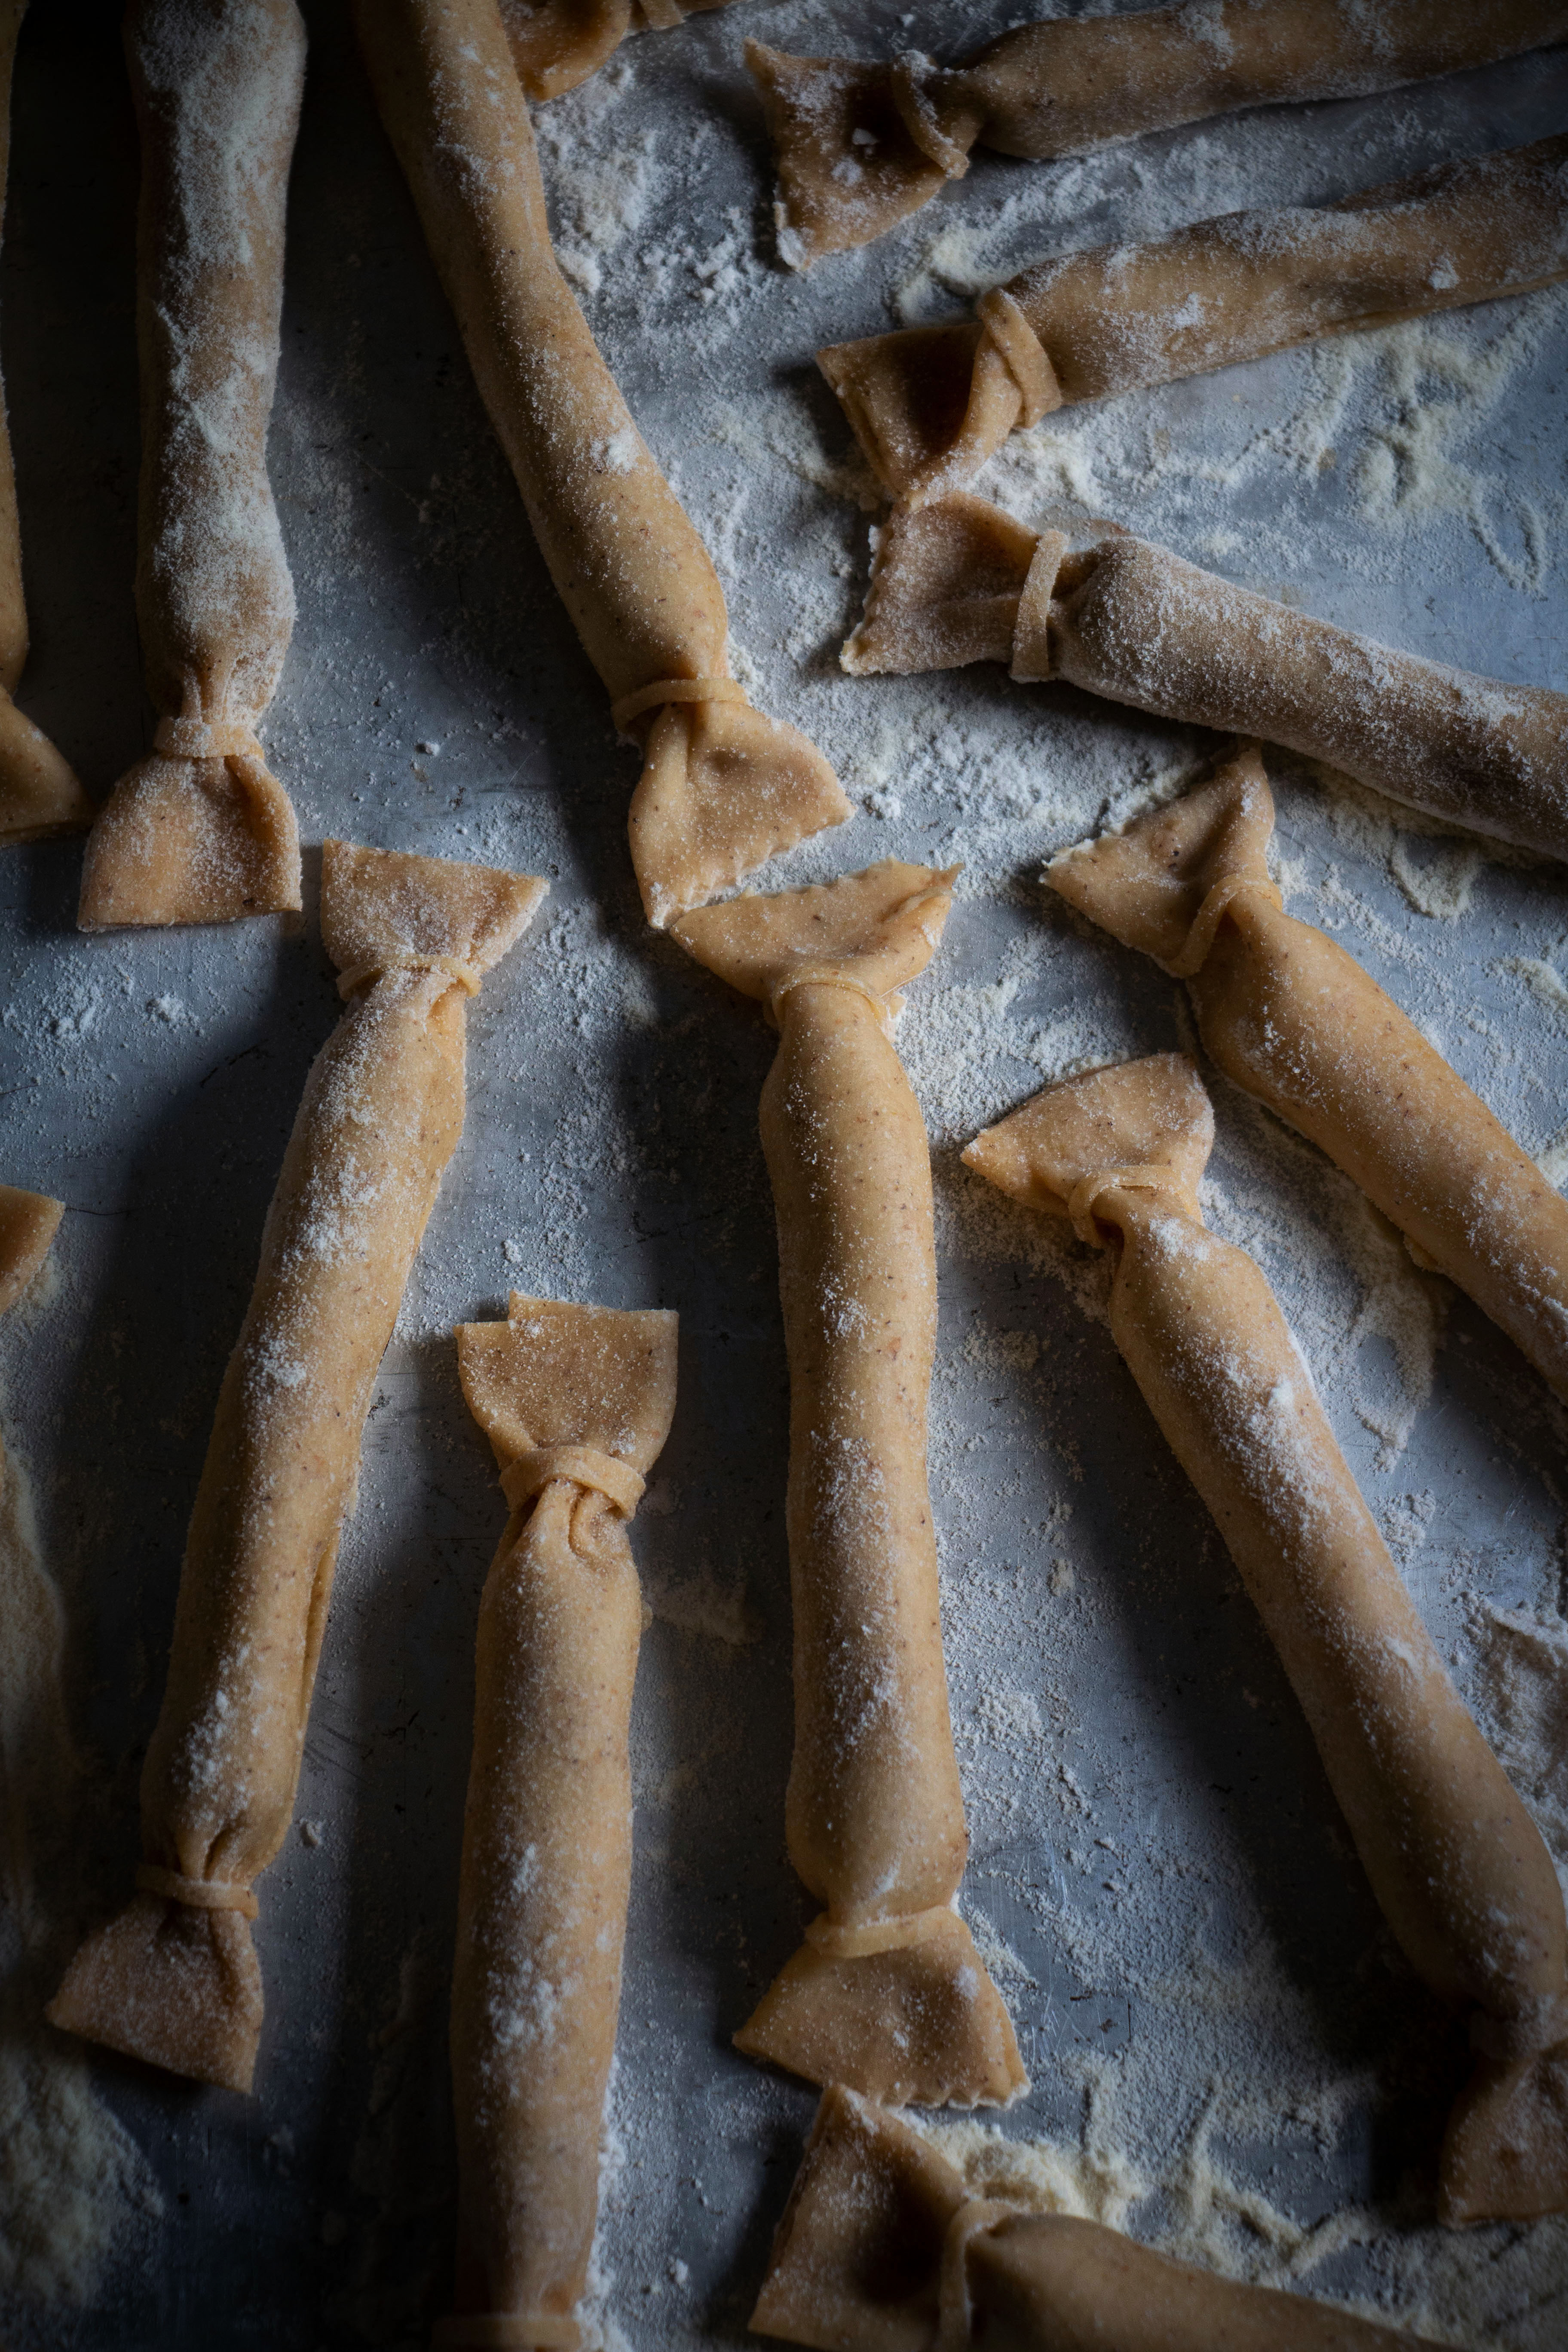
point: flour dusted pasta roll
(577, 1403)
(888, 1991)
(39, 792)
(1287, 1015)
(861, 147)
(1454, 1859)
(556, 44)
(961, 581)
(722, 787)
(201, 831)
(882, 2249)
(929, 404)
(173, 1978)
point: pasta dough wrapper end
(1457, 1866)
(567, 1395)
(556, 44)
(888, 1991)
(175, 1978)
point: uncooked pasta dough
(556, 44)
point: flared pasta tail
(39, 793)
(384, 907)
(849, 167)
(1134, 1121)
(556, 1374)
(723, 789)
(198, 839)
(558, 44)
(177, 1987)
(880, 929)
(930, 405)
(1505, 2151)
(946, 581)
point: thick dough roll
(722, 787)
(860, 147)
(201, 831)
(961, 581)
(1287, 1015)
(888, 1991)
(173, 1978)
(577, 1403)
(929, 404)
(882, 2249)
(556, 44)
(1454, 1859)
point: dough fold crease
(556, 44)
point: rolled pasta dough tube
(201, 831)
(888, 1991)
(577, 1403)
(1455, 1861)
(173, 1978)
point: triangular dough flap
(1154, 1112)
(556, 1374)
(908, 397)
(1147, 885)
(945, 584)
(191, 841)
(382, 905)
(882, 926)
(556, 44)
(28, 1223)
(847, 167)
(39, 793)
(179, 1987)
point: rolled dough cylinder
(39, 792)
(722, 788)
(201, 831)
(577, 1403)
(173, 1978)
(963, 581)
(860, 147)
(556, 44)
(1455, 1861)
(929, 404)
(882, 2249)
(888, 1991)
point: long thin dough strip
(1287, 1015)
(39, 793)
(929, 404)
(556, 44)
(882, 2249)
(722, 787)
(961, 581)
(577, 1403)
(860, 147)
(888, 1991)
(201, 831)
(1454, 1859)
(173, 1978)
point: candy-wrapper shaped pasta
(556, 44)
(201, 831)
(173, 1978)
(961, 581)
(1454, 1859)
(722, 787)
(882, 2249)
(929, 404)
(861, 147)
(1287, 1015)
(39, 792)
(577, 1403)
(887, 1992)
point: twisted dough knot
(970, 2221)
(199, 1893)
(197, 738)
(507, 2331)
(1026, 359)
(468, 976)
(1211, 913)
(1149, 1176)
(674, 689)
(584, 1466)
(856, 1941)
(827, 975)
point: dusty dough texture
(556, 44)
(173, 1978)
(961, 581)
(577, 1403)
(39, 793)
(929, 404)
(860, 147)
(882, 2249)
(200, 831)
(1455, 1862)
(722, 787)
(888, 1991)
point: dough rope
(887, 1990)
(858, 147)
(722, 788)
(1457, 1866)
(556, 44)
(576, 1402)
(1296, 1021)
(961, 581)
(882, 2245)
(171, 1979)
(929, 404)
(200, 831)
